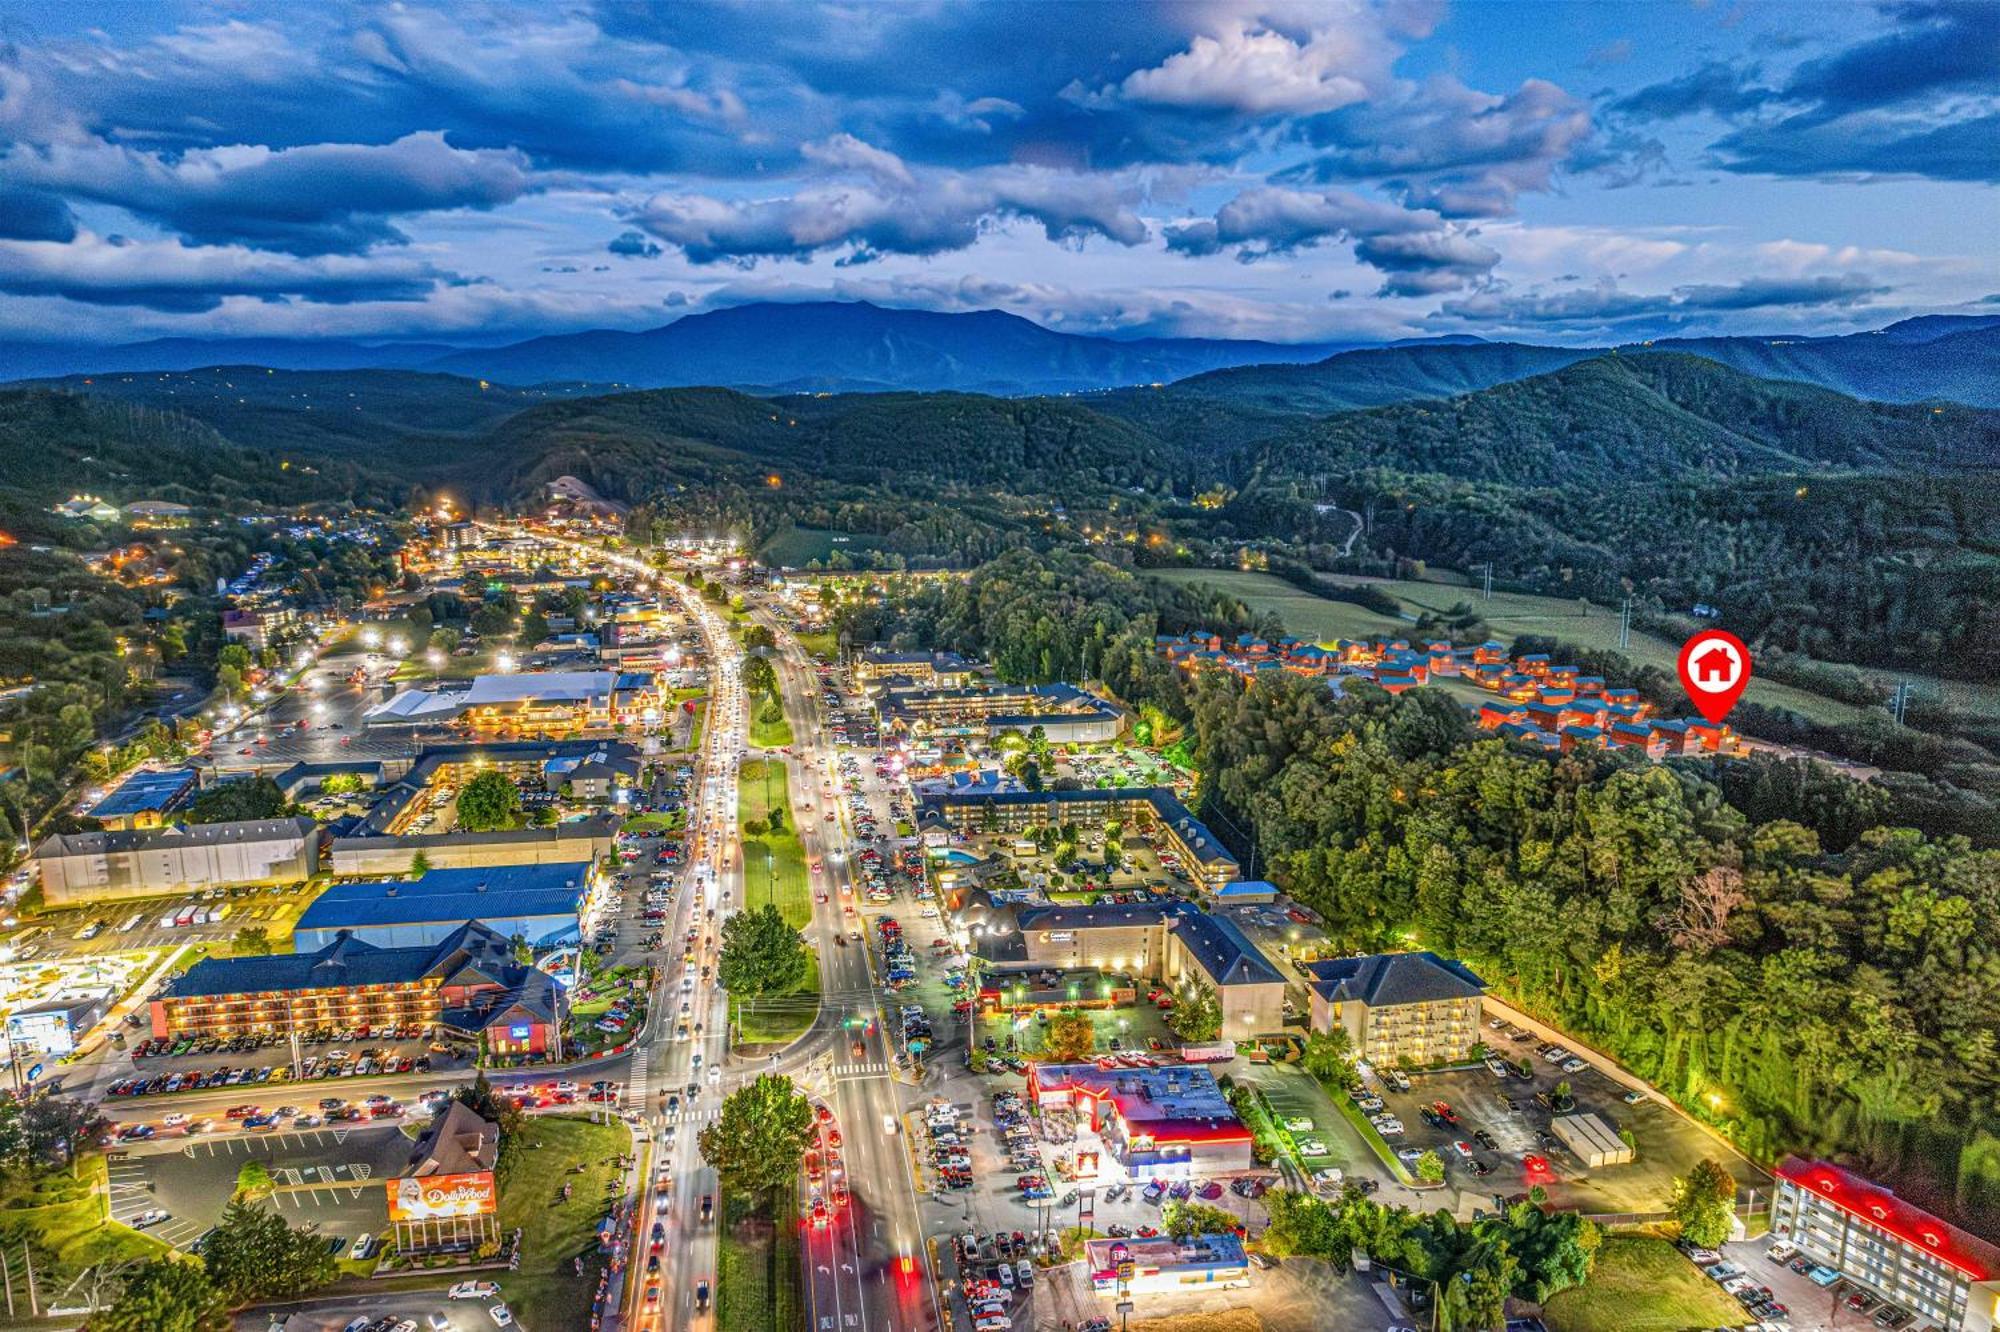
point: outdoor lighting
(398, 647)
(504, 662)
(371, 637)
(435, 658)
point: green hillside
(1647, 417)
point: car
(1633, 1097)
(1298, 1123)
(364, 1247)
(1409, 1155)
(152, 1216)
(439, 1321)
(1263, 1262)
(473, 1290)
(1534, 1164)
(501, 1315)
(1463, 1148)
(1311, 1147)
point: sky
(1337, 171)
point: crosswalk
(876, 1069)
(692, 1117)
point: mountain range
(845, 347)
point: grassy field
(1641, 1285)
(819, 645)
(1511, 615)
(780, 1017)
(68, 1213)
(769, 735)
(774, 865)
(796, 547)
(546, 1292)
(757, 1275)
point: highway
(867, 1269)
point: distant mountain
(1228, 408)
(1942, 357)
(858, 347)
(41, 360)
(326, 411)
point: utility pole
(1625, 626)
(28, 1261)
(1486, 585)
(1899, 702)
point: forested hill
(1651, 416)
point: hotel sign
(441, 1196)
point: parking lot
(331, 1177)
(1507, 1109)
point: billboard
(437, 1196)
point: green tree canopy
(760, 1137)
(761, 954)
(165, 1295)
(1182, 1219)
(489, 802)
(1070, 1036)
(1704, 1203)
(239, 798)
(1197, 1012)
(253, 1255)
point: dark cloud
(634, 245)
(1715, 87)
(1932, 48)
(35, 215)
(1426, 263)
(321, 199)
(164, 275)
(1867, 145)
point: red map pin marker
(1715, 668)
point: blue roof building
(542, 903)
(144, 799)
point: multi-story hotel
(469, 983)
(1150, 809)
(1901, 1252)
(1413, 1009)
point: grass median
(777, 1018)
(757, 1268)
(774, 863)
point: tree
(1430, 1168)
(755, 827)
(479, 1097)
(165, 1295)
(758, 637)
(759, 677)
(1329, 1057)
(1704, 1203)
(1197, 1012)
(250, 941)
(444, 640)
(55, 1128)
(234, 656)
(1070, 1036)
(1185, 1219)
(489, 802)
(761, 954)
(1699, 920)
(238, 799)
(760, 1137)
(253, 1255)
(341, 783)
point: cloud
(1416, 249)
(35, 215)
(325, 198)
(1268, 221)
(1918, 100)
(1611, 53)
(633, 245)
(166, 275)
(1606, 304)
(1452, 148)
(894, 212)
(1259, 72)
(1426, 263)
(1714, 87)
(845, 152)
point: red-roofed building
(1901, 1252)
(1167, 1123)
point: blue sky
(1341, 170)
